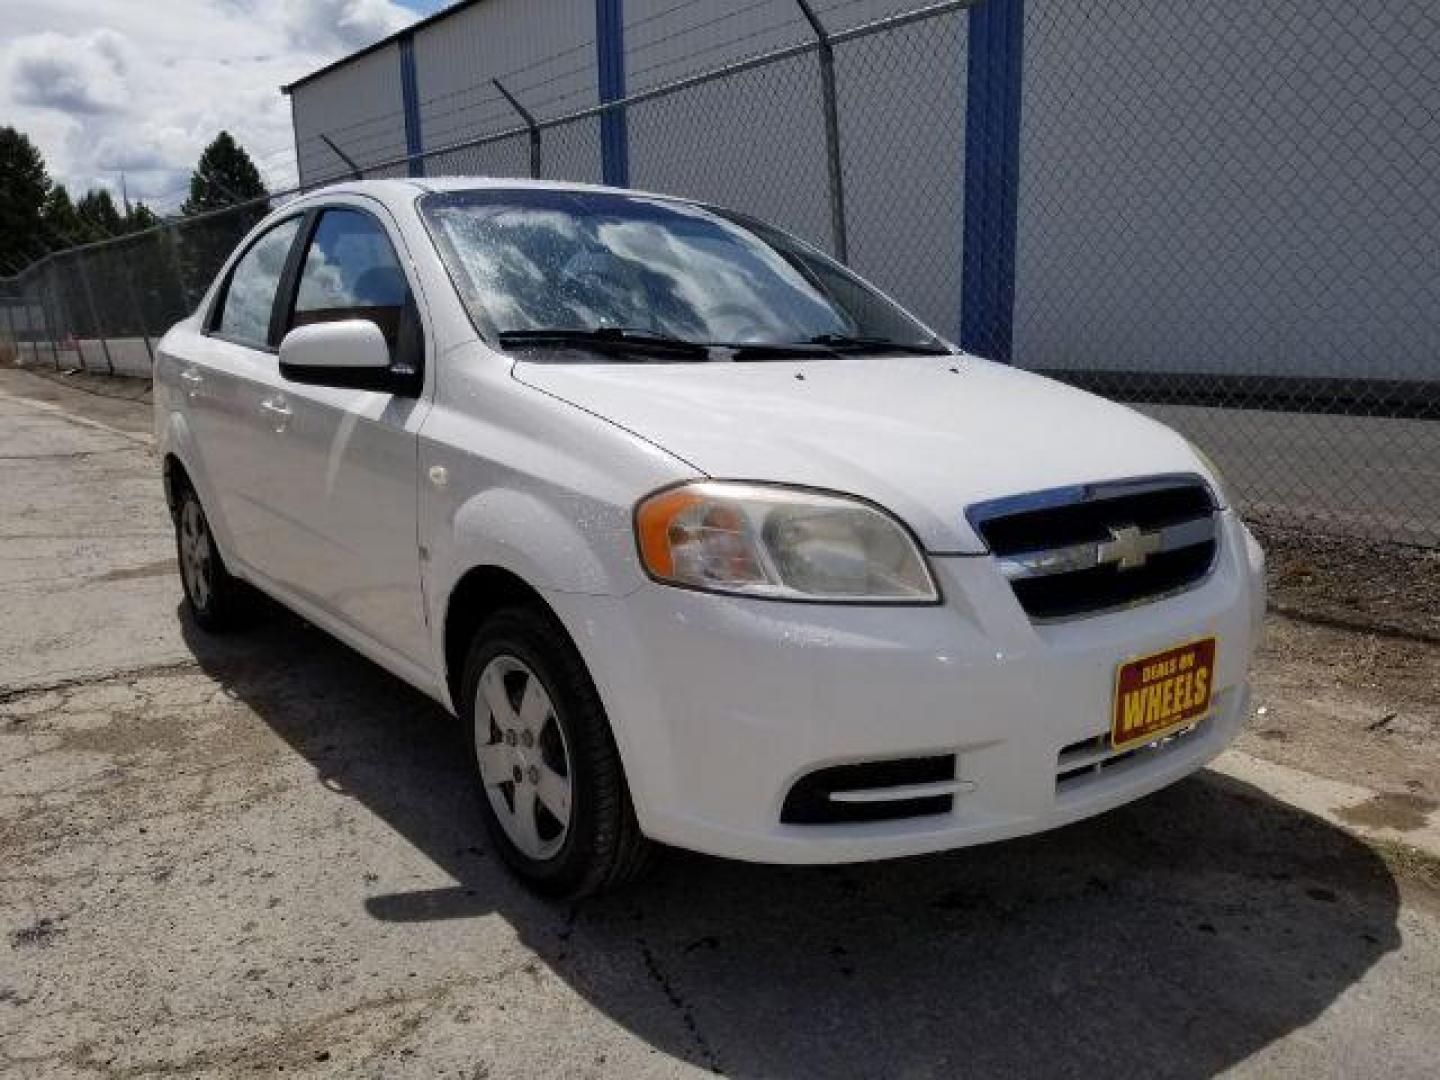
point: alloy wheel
(196, 553)
(523, 757)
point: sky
(137, 88)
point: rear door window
(250, 294)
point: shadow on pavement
(1173, 937)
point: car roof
(402, 191)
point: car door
(345, 488)
(223, 380)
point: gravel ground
(260, 854)
(1355, 584)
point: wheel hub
(523, 757)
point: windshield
(542, 270)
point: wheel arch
(175, 477)
(479, 593)
(182, 462)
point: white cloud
(349, 24)
(81, 75)
(112, 86)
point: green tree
(24, 183)
(97, 211)
(140, 218)
(224, 176)
(63, 227)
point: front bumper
(720, 704)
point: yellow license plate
(1162, 692)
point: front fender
(553, 551)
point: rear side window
(351, 272)
(250, 294)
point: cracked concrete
(239, 856)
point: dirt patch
(1413, 867)
(159, 568)
(1401, 811)
(1354, 584)
(117, 401)
(1360, 708)
(40, 934)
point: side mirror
(349, 353)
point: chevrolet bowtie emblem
(1128, 547)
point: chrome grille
(1090, 548)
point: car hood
(924, 437)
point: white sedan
(705, 540)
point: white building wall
(544, 53)
(360, 107)
(1230, 188)
(756, 141)
(902, 132)
(1227, 188)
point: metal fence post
(528, 119)
(832, 133)
(172, 236)
(410, 96)
(994, 91)
(94, 317)
(139, 309)
(52, 324)
(610, 70)
(357, 172)
(10, 322)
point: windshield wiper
(850, 343)
(778, 350)
(610, 339)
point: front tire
(552, 791)
(216, 600)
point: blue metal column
(992, 177)
(610, 59)
(414, 143)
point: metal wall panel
(668, 39)
(544, 53)
(360, 107)
(902, 136)
(1233, 188)
(755, 141)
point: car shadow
(1173, 937)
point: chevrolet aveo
(705, 540)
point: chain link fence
(1227, 215)
(1231, 212)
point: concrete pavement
(236, 856)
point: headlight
(780, 543)
(1217, 479)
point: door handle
(278, 412)
(192, 380)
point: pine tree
(62, 224)
(140, 218)
(24, 184)
(100, 217)
(224, 176)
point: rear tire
(216, 601)
(552, 791)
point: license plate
(1162, 692)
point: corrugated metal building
(755, 141)
(1133, 185)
